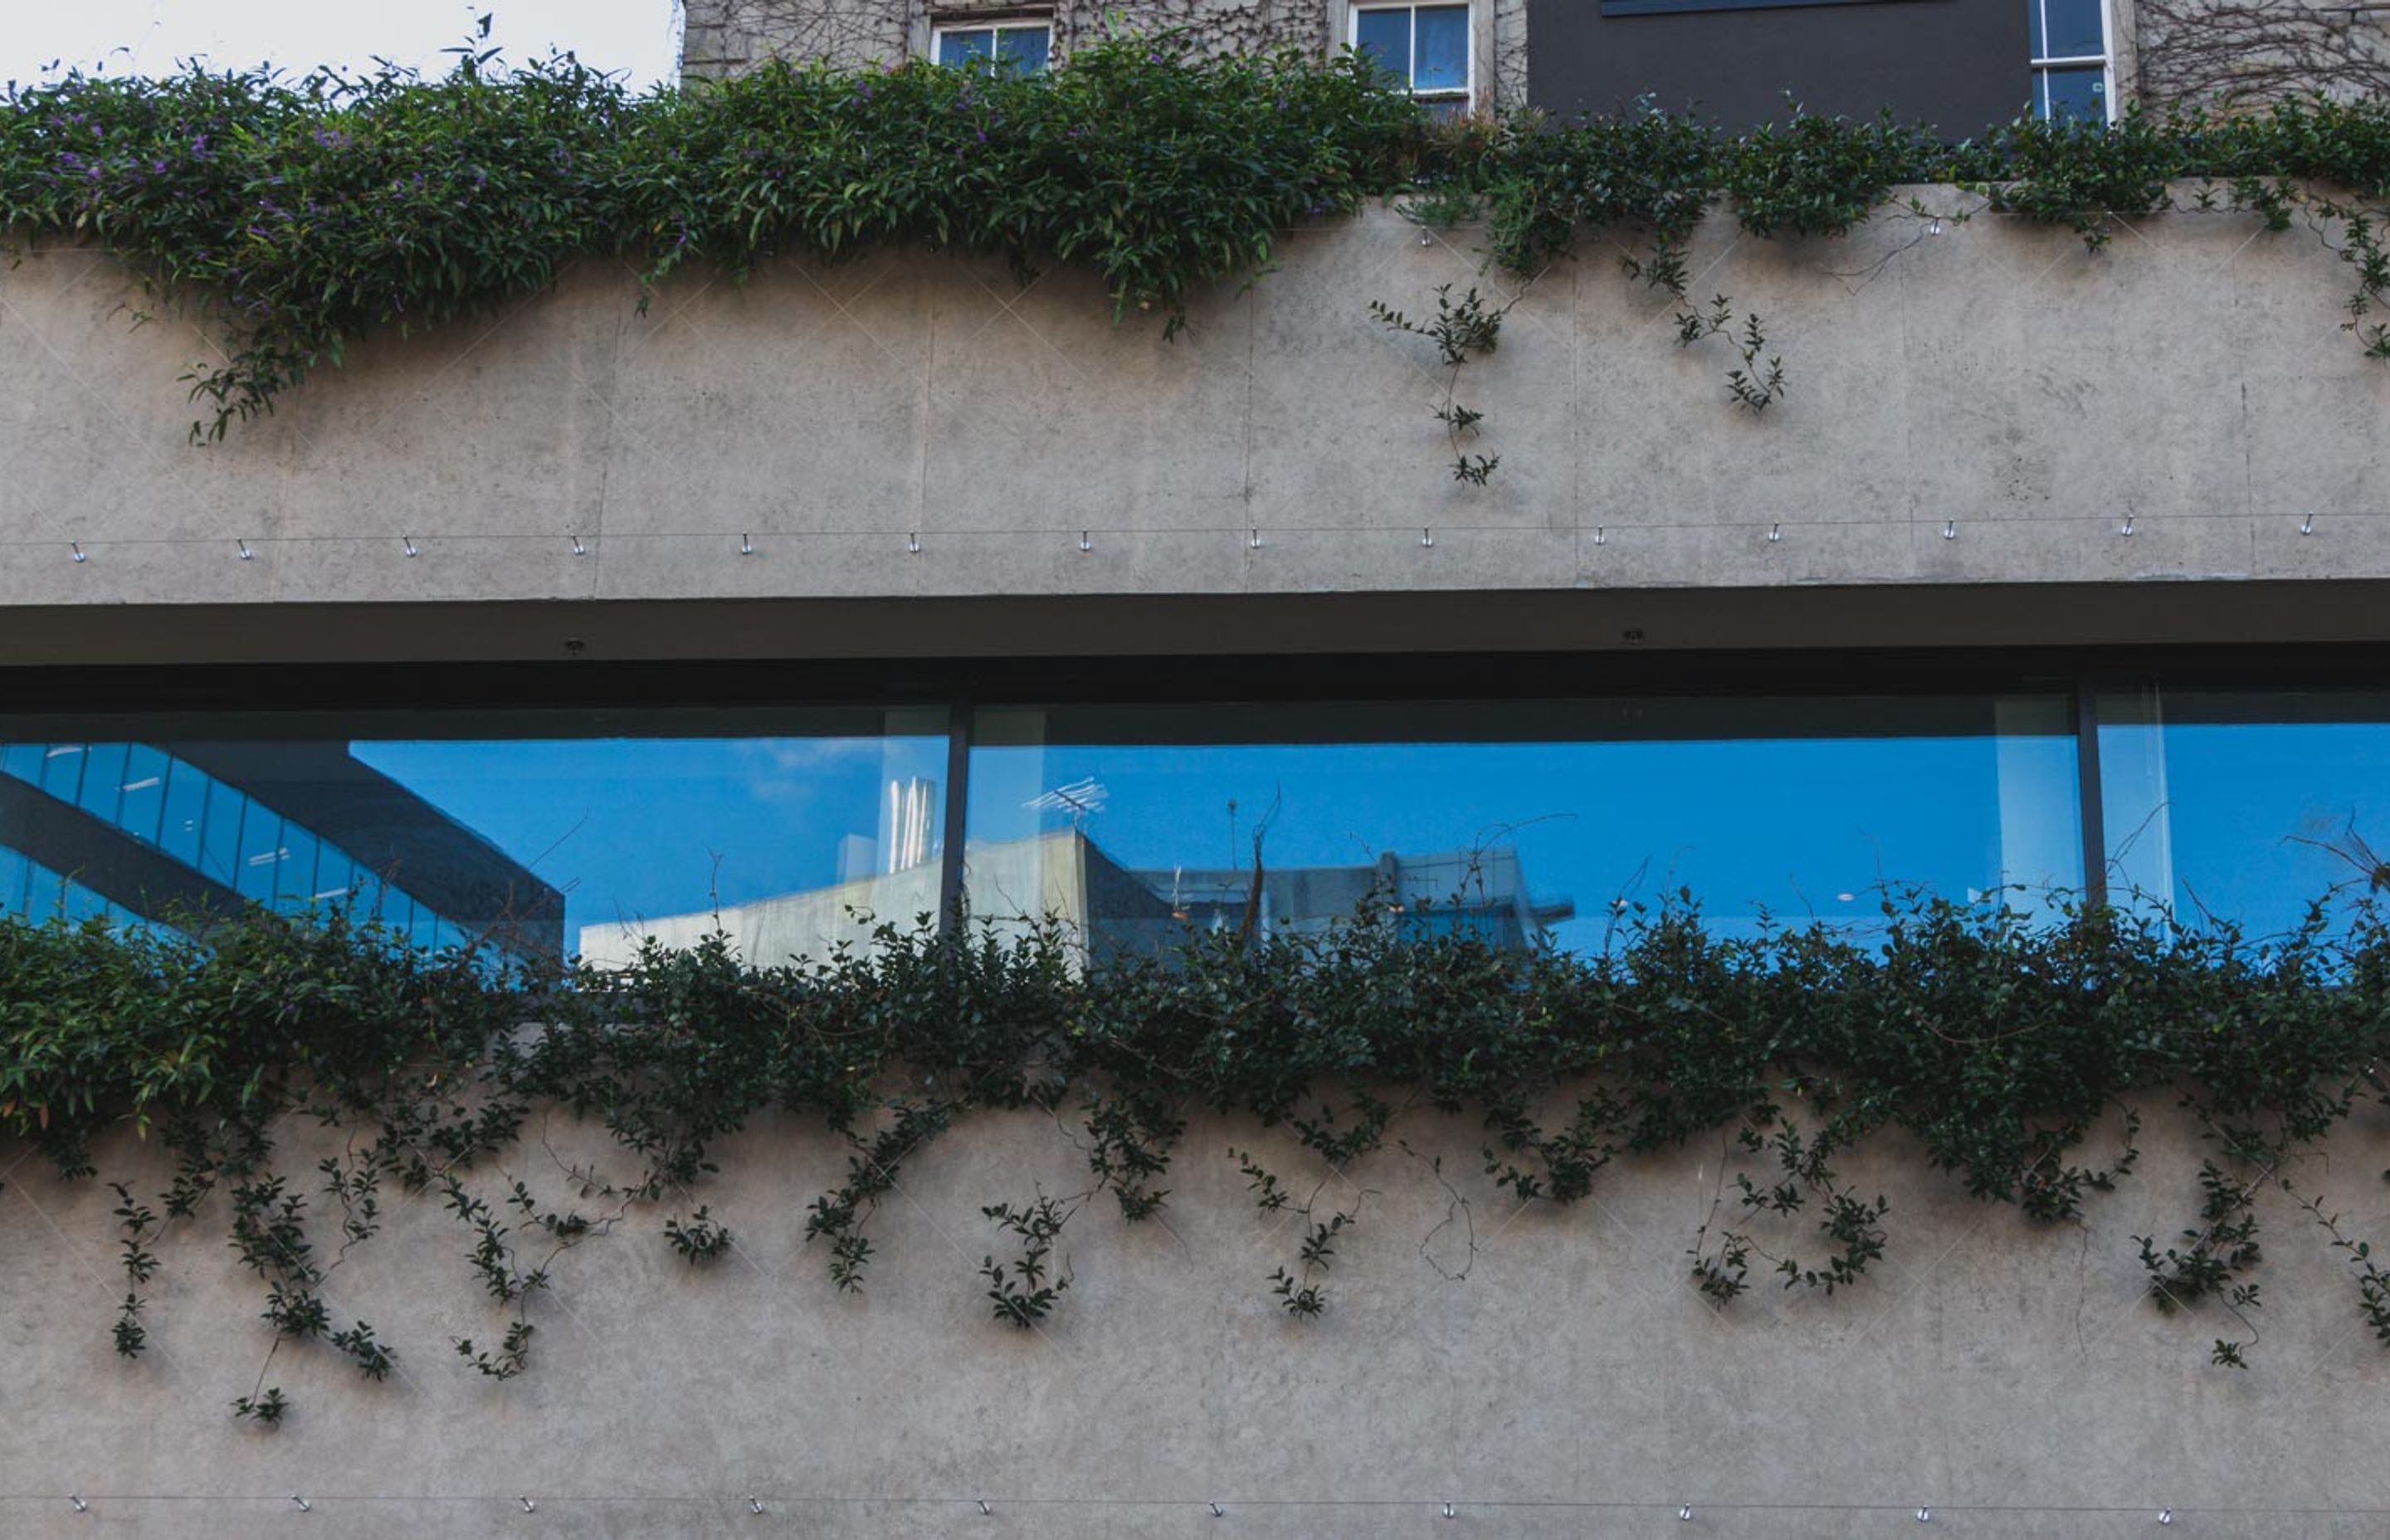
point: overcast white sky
(641, 37)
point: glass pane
(549, 834)
(1442, 50)
(220, 834)
(335, 883)
(77, 904)
(2244, 807)
(1023, 48)
(2074, 30)
(294, 878)
(13, 871)
(103, 780)
(261, 854)
(1520, 822)
(62, 770)
(186, 798)
(956, 49)
(2076, 96)
(599, 845)
(142, 809)
(1385, 36)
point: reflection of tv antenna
(1079, 799)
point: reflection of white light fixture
(142, 785)
(267, 858)
(905, 819)
(1846, 898)
(63, 749)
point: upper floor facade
(1958, 64)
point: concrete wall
(1995, 383)
(2012, 1377)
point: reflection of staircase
(377, 824)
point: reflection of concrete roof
(1062, 874)
(1065, 876)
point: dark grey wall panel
(1959, 64)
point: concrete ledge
(1992, 408)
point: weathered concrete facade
(1991, 436)
(919, 457)
(2012, 1378)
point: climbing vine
(298, 216)
(2007, 1050)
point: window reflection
(2244, 806)
(582, 833)
(1517, 822)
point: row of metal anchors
(754, 1504)
(1087, 539)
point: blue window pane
(220, 834)
(1385, 36)
(261, 854)
(62, 770)
(1520, 823)
(335, 879)
(956, 49)
(144, 792)
(294, 872)
(1023, 47)
(1442, 57)
(2074, 96)
(781, 833)
(78, 904)
(13, 868)
(2244, 808)
(2073, 29)
(185, 800)
(103, 780)
(22, 761)
(44, 892)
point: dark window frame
(1623, 8)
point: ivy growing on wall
(2013, 1054)
(301, 216)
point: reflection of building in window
(1064, 877)
(2069, 40)
(1020, 43)
(159, 832)
(1425, 49)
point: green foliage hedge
(302, 214)
(2008, 1049)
